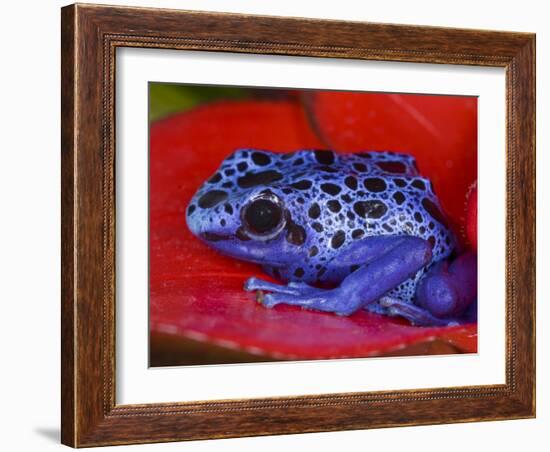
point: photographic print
(289, 206)
(290, 224)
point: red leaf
(226, 315)
(471, 217)
(440, 131)
(198, 294)
(185, 150)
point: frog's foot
(416, 315)
(325, 300)
(303, 295)
(294, 293)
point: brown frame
(90, 35)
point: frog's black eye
(263, 216)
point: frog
(340, 232)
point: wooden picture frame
(90, 36)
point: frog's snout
(192, 220)
(208, 227)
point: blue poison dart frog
(343, 231)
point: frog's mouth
(213, 237)
(277, 251)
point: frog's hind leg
(383, 263)
(443, 296)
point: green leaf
(168, 98)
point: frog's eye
(263, 217)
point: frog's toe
(300, 285)
(273, 299)
(253, 284)
(270, 300)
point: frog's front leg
(442, 296)
(384, 263)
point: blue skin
(366, 225)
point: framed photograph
(282, 225)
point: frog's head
(242, 213)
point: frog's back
(363, 194)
